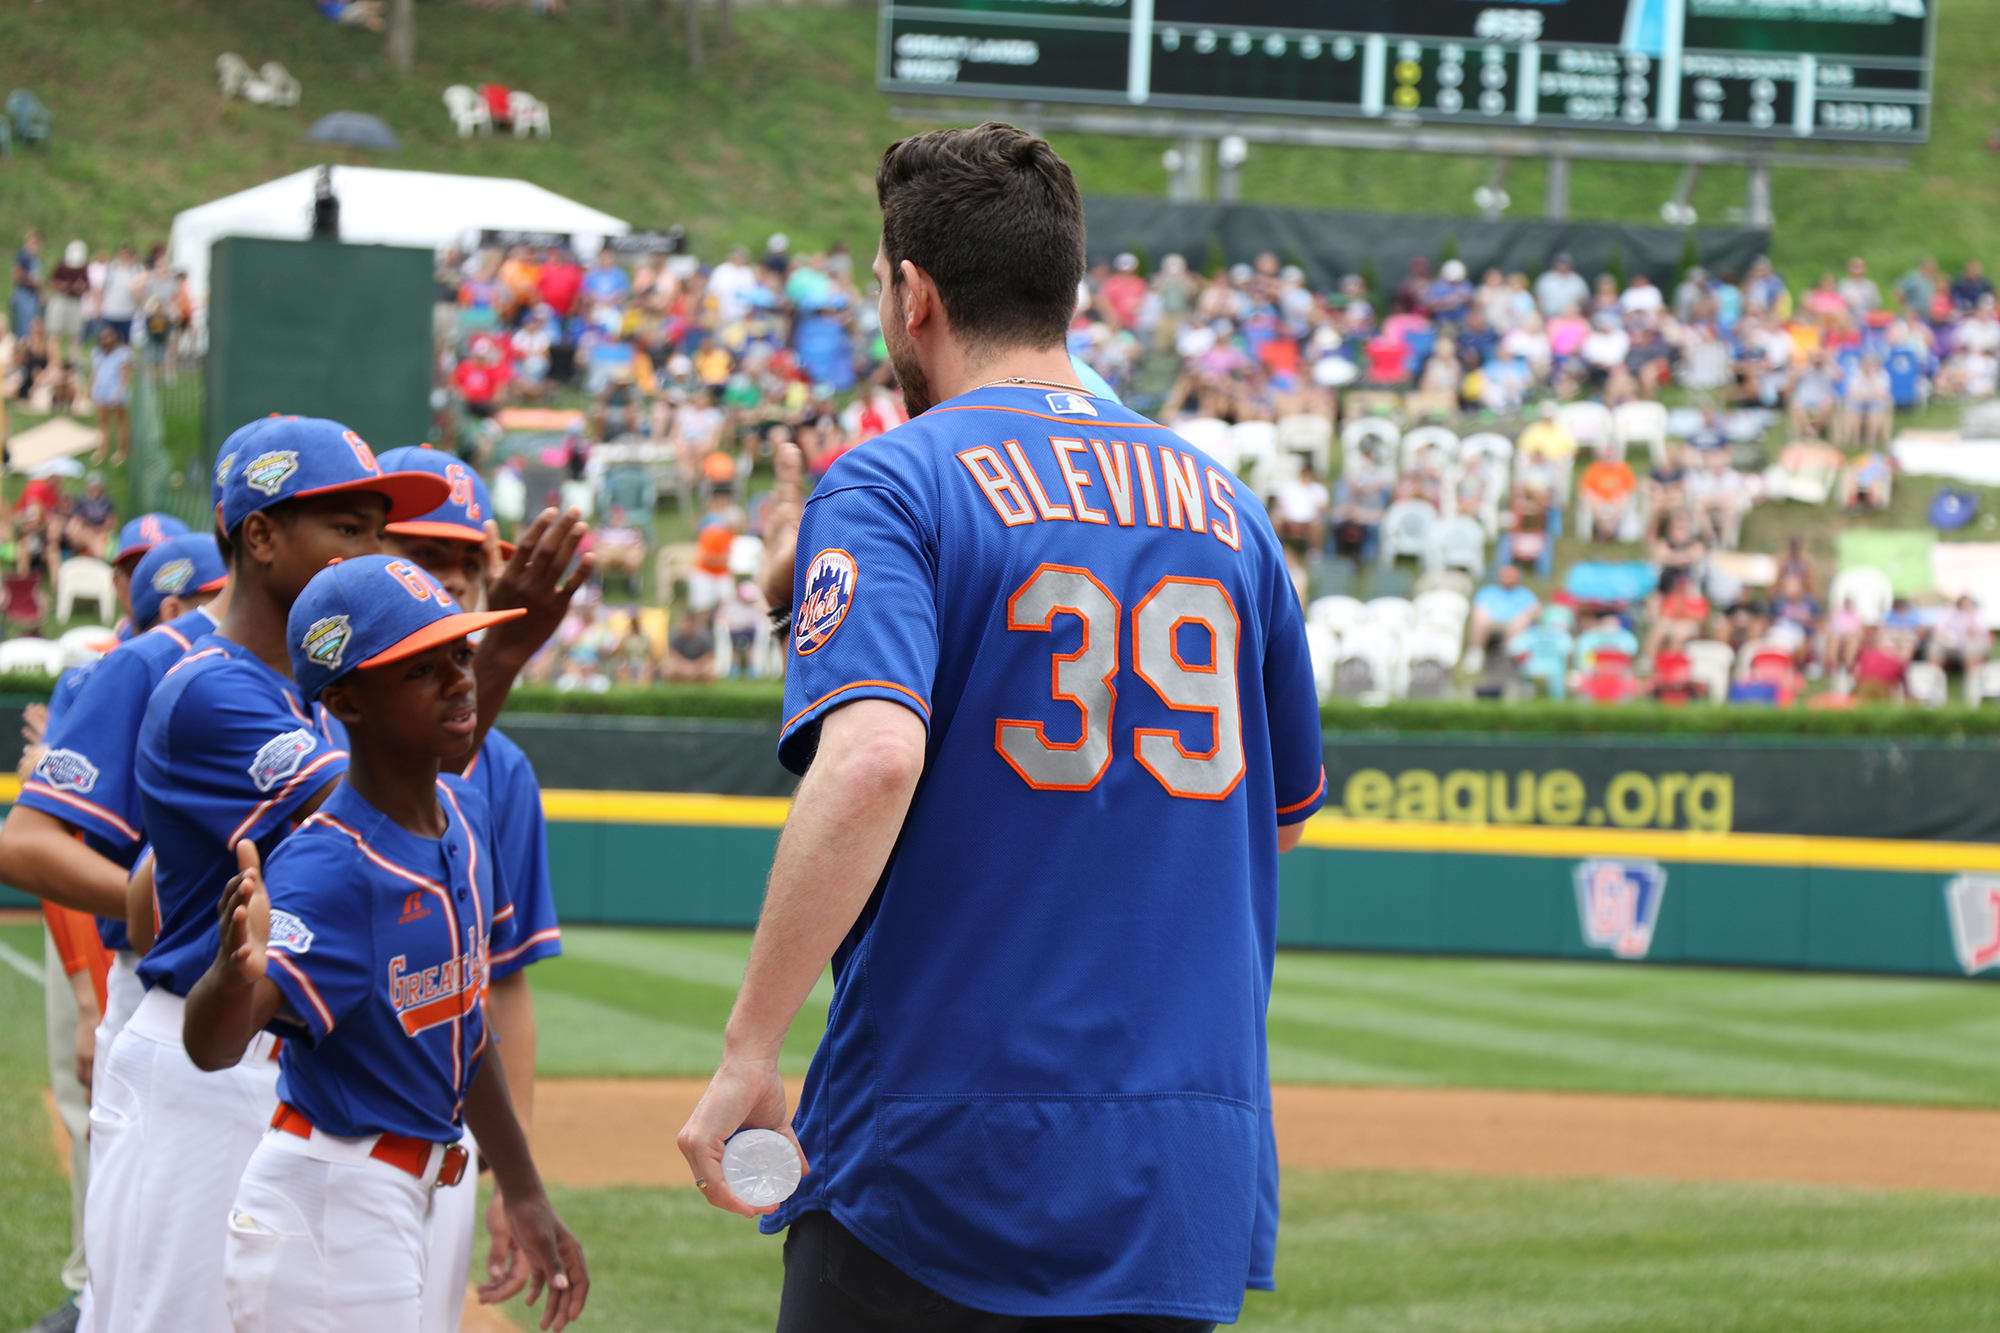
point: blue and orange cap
(143, 533)
(189, 563)
(370, 612)
(291, 458)
(463, 515)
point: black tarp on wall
(1327, 245)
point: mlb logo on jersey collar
(1071, 405)
(290, 458)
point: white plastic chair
(1370, 666)
(1647, 422)
(1443, 438)
(528, 114)
(746, 556)
(1324, 647)
(233, 74)
(1256, 448)
(1212, 436)
(1384, 434)
(1397, 615)
(1868, 587)
(1443, 609)
(1461, 544)
(1711, 663)
(1310, 436)
(1589, 424)
(273, 86)
(1925, 683)
(30, 654)
(1409, 527)
(86, 578)
(1490, 445)
(1427, 666)
(468, 111)
(85, 644)
(1336, 614)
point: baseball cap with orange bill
(142, 534)
(370, 612)
(296, 458)
(463, 515)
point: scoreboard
(1774, 69)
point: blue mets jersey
(379, 943)
(227, 751)
(85, 779)
(1043, 1089)
(524, 926)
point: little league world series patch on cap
(370, 612)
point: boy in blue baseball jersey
(1050, 692)
(373, 938)
(137, 537)
(226, 752)
(452, 544)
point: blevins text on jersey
(1129, 484)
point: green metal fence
(170, 467)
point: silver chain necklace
(1022, 380)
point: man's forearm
(141, 925)
(510, 1009)
(843, 825)
(39, 855)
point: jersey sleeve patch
(290, 933)
(829, 592)
(279, 758)
(67, 770)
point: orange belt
(398, 1150)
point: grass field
(1359, 1250)
(782, 130)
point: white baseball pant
(325, 1239)
(72, 1098)
(453, 1232)
(169, 1143)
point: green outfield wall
(1857, 854)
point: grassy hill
(782, 130)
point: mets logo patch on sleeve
(829, 592)
(66, 770)
(326, 641)
(172, 578)
(280, 757)
(289, 933)
(268, 472)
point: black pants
(835, 1284)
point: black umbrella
(357, 128)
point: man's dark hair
(993, 215)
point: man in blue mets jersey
(370, 937)
(1050, 692)
(453, 545)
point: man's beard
(910, 374)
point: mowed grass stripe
(1920, 1048)
(1382, 1252)
(34, 1221)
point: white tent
(378, 207)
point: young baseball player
(77, 818)
(138, 536)
(369, 936)
(451, 543)
(227, 751)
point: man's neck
(401, 787)
(1049, 367)
(256, 620)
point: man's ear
(920, 296)
(340, 702)
(171, 608)
(257, 537)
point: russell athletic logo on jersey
(440, 994)
(1618, 904)
(1972, 902)
(829, 592)
(66, 770)
(268, 472)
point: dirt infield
(591, 1132)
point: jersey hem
(86, 815)
(790, 753)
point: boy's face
(313, 533)
(459, 566)
(426, 704)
